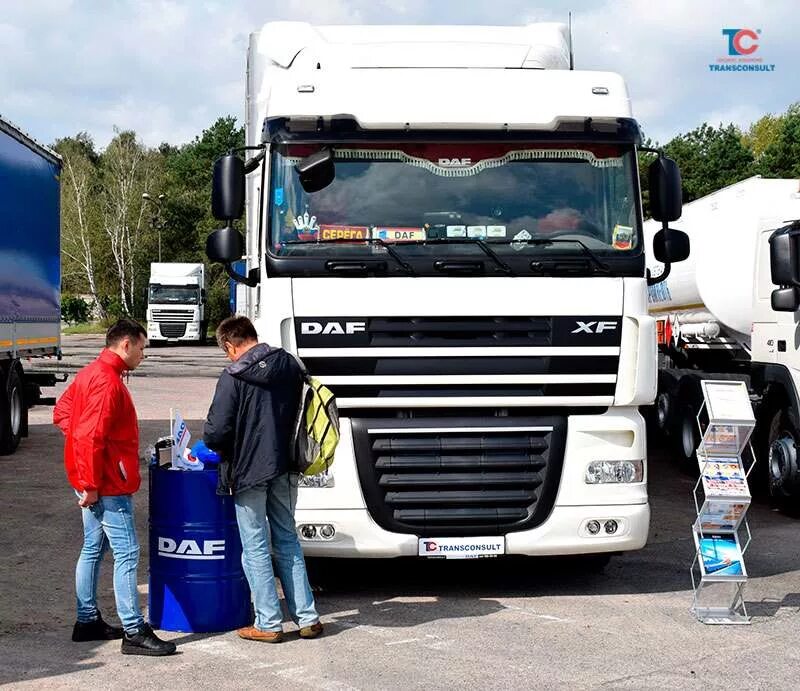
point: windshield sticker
(399, 234)
(278, 196)
(334, 232)
(476, 231)
(456, 231)
(622, 237)
(306, 225)
(462, 169)
(495, 231)
(520, 241)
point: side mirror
(227, 190)
(316, 171)
(784, 256)
(670, 245)
(785, 299)
(225, 246)
(664, 181)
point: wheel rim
(782, 459)
(687, 436)
(662, 409)
(16, 411)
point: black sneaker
(96, 630)
(145, 642)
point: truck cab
(176, 303)
(444, 223)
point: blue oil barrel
(196, 579)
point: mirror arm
(661, 277)
(252, 279)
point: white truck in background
(444, 223)
(721, 316)
(176, 303)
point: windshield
(440, 200)
(184, 295)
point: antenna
(571, 58)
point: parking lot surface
(504, 623)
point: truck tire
(684, 433)
(13, 410)
(783, 468)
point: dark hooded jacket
(252, 417)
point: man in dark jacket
(251, 424)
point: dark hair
(236, 330)
(122, 329)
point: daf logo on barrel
(191, 549)
(332, 328)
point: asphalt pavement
(408, 624)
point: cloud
(169, 68)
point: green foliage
(74, 309)
(710, 158)
(781, 156)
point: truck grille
(172, 330)
(483, 477)
(391, 361)
(173, 315)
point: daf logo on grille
(332, 328)
(593, 327)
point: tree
(781, 157)
(762, 133)
(128, 170)
(710, 158)
(81, 238)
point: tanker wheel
(13, 411)
(783, 468)
(686, 436)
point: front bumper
(357, 535)
(618, 434)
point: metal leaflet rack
(721, 498)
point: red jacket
(97, 416)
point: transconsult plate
(461, 547)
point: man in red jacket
(101, 455)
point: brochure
(720, 555)
(721, 516)
(724, 477)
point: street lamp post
(156, 221)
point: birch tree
(81, 241)
(129, 170)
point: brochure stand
(722, 497)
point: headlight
(324, 479)
(614, 472)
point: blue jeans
(267, 516)
(109, 522)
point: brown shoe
(251, 633)
(311, 631)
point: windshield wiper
(505, 268)
(594, 264)
(371, 241)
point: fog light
(614, 472)
(593, 527)
(610, 527)
(327, 531)
(308, 532)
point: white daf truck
(176, 303)
(444, 223)
(721, 315)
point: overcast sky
(168, 68)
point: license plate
(461, 547)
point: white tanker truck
(720, 316)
